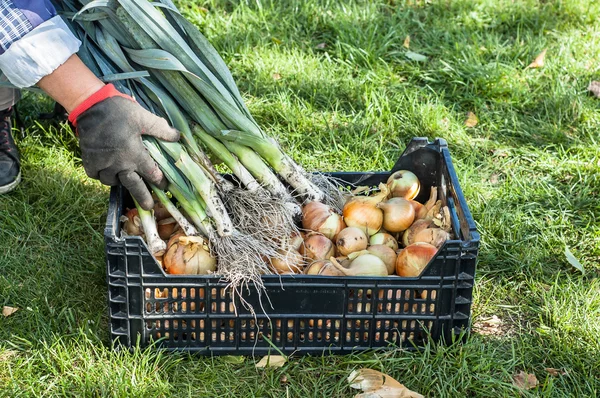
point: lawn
(333, 80)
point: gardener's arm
(37, 47)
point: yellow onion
(408, 237)
(132, 223)
(386, 254)
(351, 239)
(433, 236)
(403, 184)
(188, 255)
(322, 267)
(319, 217)
(166, 227)
(362, 212)
(160, 211)
(413, 259)
(288, 261)
(420, 210)
(317, 247)
(363, 265)
(398, 214)
(383, 238)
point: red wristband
(105, 92)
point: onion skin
(409, 235)
(188, 255)
(133, 224)
(383, 238)
(319, 217)
(317, 247)
(290, 262)
(420, 210)
(166, 227)
(433, 236)
(398, 214)
(386, 254)
(413, 259)
(403, 184)
(351, 239)
(296, 241)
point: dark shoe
(10, 164)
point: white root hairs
(333, 189)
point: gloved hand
(110, 126)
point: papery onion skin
(351, 239)
(398, 214)
(188, 255)
(386, 254)
(317, 247)
(408, 237)
(321, 218)
(404, 184)
(413, 259)
(433, 236)
(383, 238)
(133, 224)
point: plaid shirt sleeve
(34, 41)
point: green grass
(530, 170)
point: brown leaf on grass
(538, 62)
(406, 43)
(8, 311)
(471, 120)
(525, 381)
(6, 355)
(594, 88)
(321, 46)
(494, 178)
(492, 326)
(555, 372)
(276, 76)
(375, 384)
(271, 361)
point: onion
(409, 235)
(398, 214)
(289, 261)
(362, 212)
(296, 240)
(363, 265)
(319, 217)
(351, 239)
(160, 211)
(420, 210)
(386, 254)
(383, 238)
(317, 247)
(324, 268)
(403, 184)
(166, 227)
(132, 224)
(188, 255)
(433, 236)
(413, 259)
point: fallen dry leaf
(494, 178)
(321, 46)
(555, 372)
(492, 326)
(407, 42)
(471, 120)
(375, 384)
(276, 76)
(525, 381)
(594, 88)
(538, 62)
(6, 355)
(271, 361)
(8, 311)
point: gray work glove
(110, 137)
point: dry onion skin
(398, 214)
(188, 255)
(413, 259)
(317, 247)
(319, 217)
(362, 211)
(403, 184)
(350, 240)
(132, 223)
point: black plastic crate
(304, 314)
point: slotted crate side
(308, 314)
